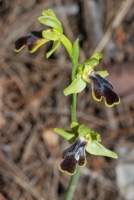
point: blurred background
(32, 101)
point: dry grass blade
(11, 171)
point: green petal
(87, 133)
(97, 56)
(96, 148)
(75, 53)
(75, 87)
(51, 22)
(54, 47)
(70, 136)
(91, 62)
(95, 136)
(102, 73)
(84, 130)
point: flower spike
(73, 155)
(101, 87)
(32, 40)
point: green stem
(74, 58)
(74, 179)
(74, 98)
(72, 185)
(73, 108)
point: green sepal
(67, 44)
(102, 73)
(75, 53)
(75, 87)
(70, 136)
(51, 22)
(49, 12)
(54, 47)
(51, 35)
(96, 148)
(97, 56)
(89, 134)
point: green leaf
(97, 56)
(51, 22)
(49, 12)
(51, 35)
(96, 148)
(54, 47)
(102, 73)
(70, 136)
(75, 53)
(75, 87)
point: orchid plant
(82, 139)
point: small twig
(121, 13)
